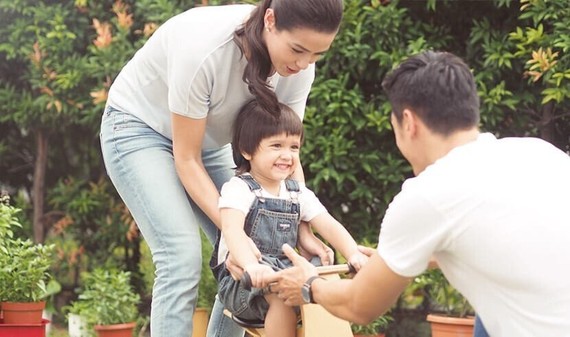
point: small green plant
(24, 265)
(107, 298)
(442, 296)
(208, 286)
(377, 326)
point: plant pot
(376, 335)
(115, 330)
(23, 312)
(200, 322)
(77, 326)
(444, 326)
(23, 330)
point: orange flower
(541, 62)
(55, 104)
(37, 55)
(104, 36)
(125, 20)
(99, 96)
(149, 28)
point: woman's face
(293, 50)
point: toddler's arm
(335, 233)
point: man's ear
(409, 122)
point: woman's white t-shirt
(192, 66)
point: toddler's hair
(253, 124)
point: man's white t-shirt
(496, 216)
(192, 66)
(236, 194)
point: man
(495, 214)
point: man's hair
(253, 124)
(439, 88)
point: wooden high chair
(315, 320)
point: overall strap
(293, 188)
(252, 184)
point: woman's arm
(240, 246)
(237, 241)
(187, 137)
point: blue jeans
(479, 329)
(140, 163)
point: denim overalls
(270, 223)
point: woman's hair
(439, 87)
(323, 16)
(254, 123)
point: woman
(166, 129)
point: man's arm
(373, 290)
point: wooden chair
(315, 320)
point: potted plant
(77, 325)
(376, 328)
(24, 272)
(108, 303)
(451, 310)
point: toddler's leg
(281, 319)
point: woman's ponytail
(259, 65)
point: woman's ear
(269, 19)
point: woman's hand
(309, 245)
(258, 273)
(232, 266)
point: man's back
(496, 215)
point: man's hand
(309, 245)
(287, 283)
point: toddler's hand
(357, 260)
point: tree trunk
(38, 190)
(546, 126)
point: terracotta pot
(115, 330)
(23, 313)
(200, 322)
(443, 326)
(24, 330)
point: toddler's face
(276, 158)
